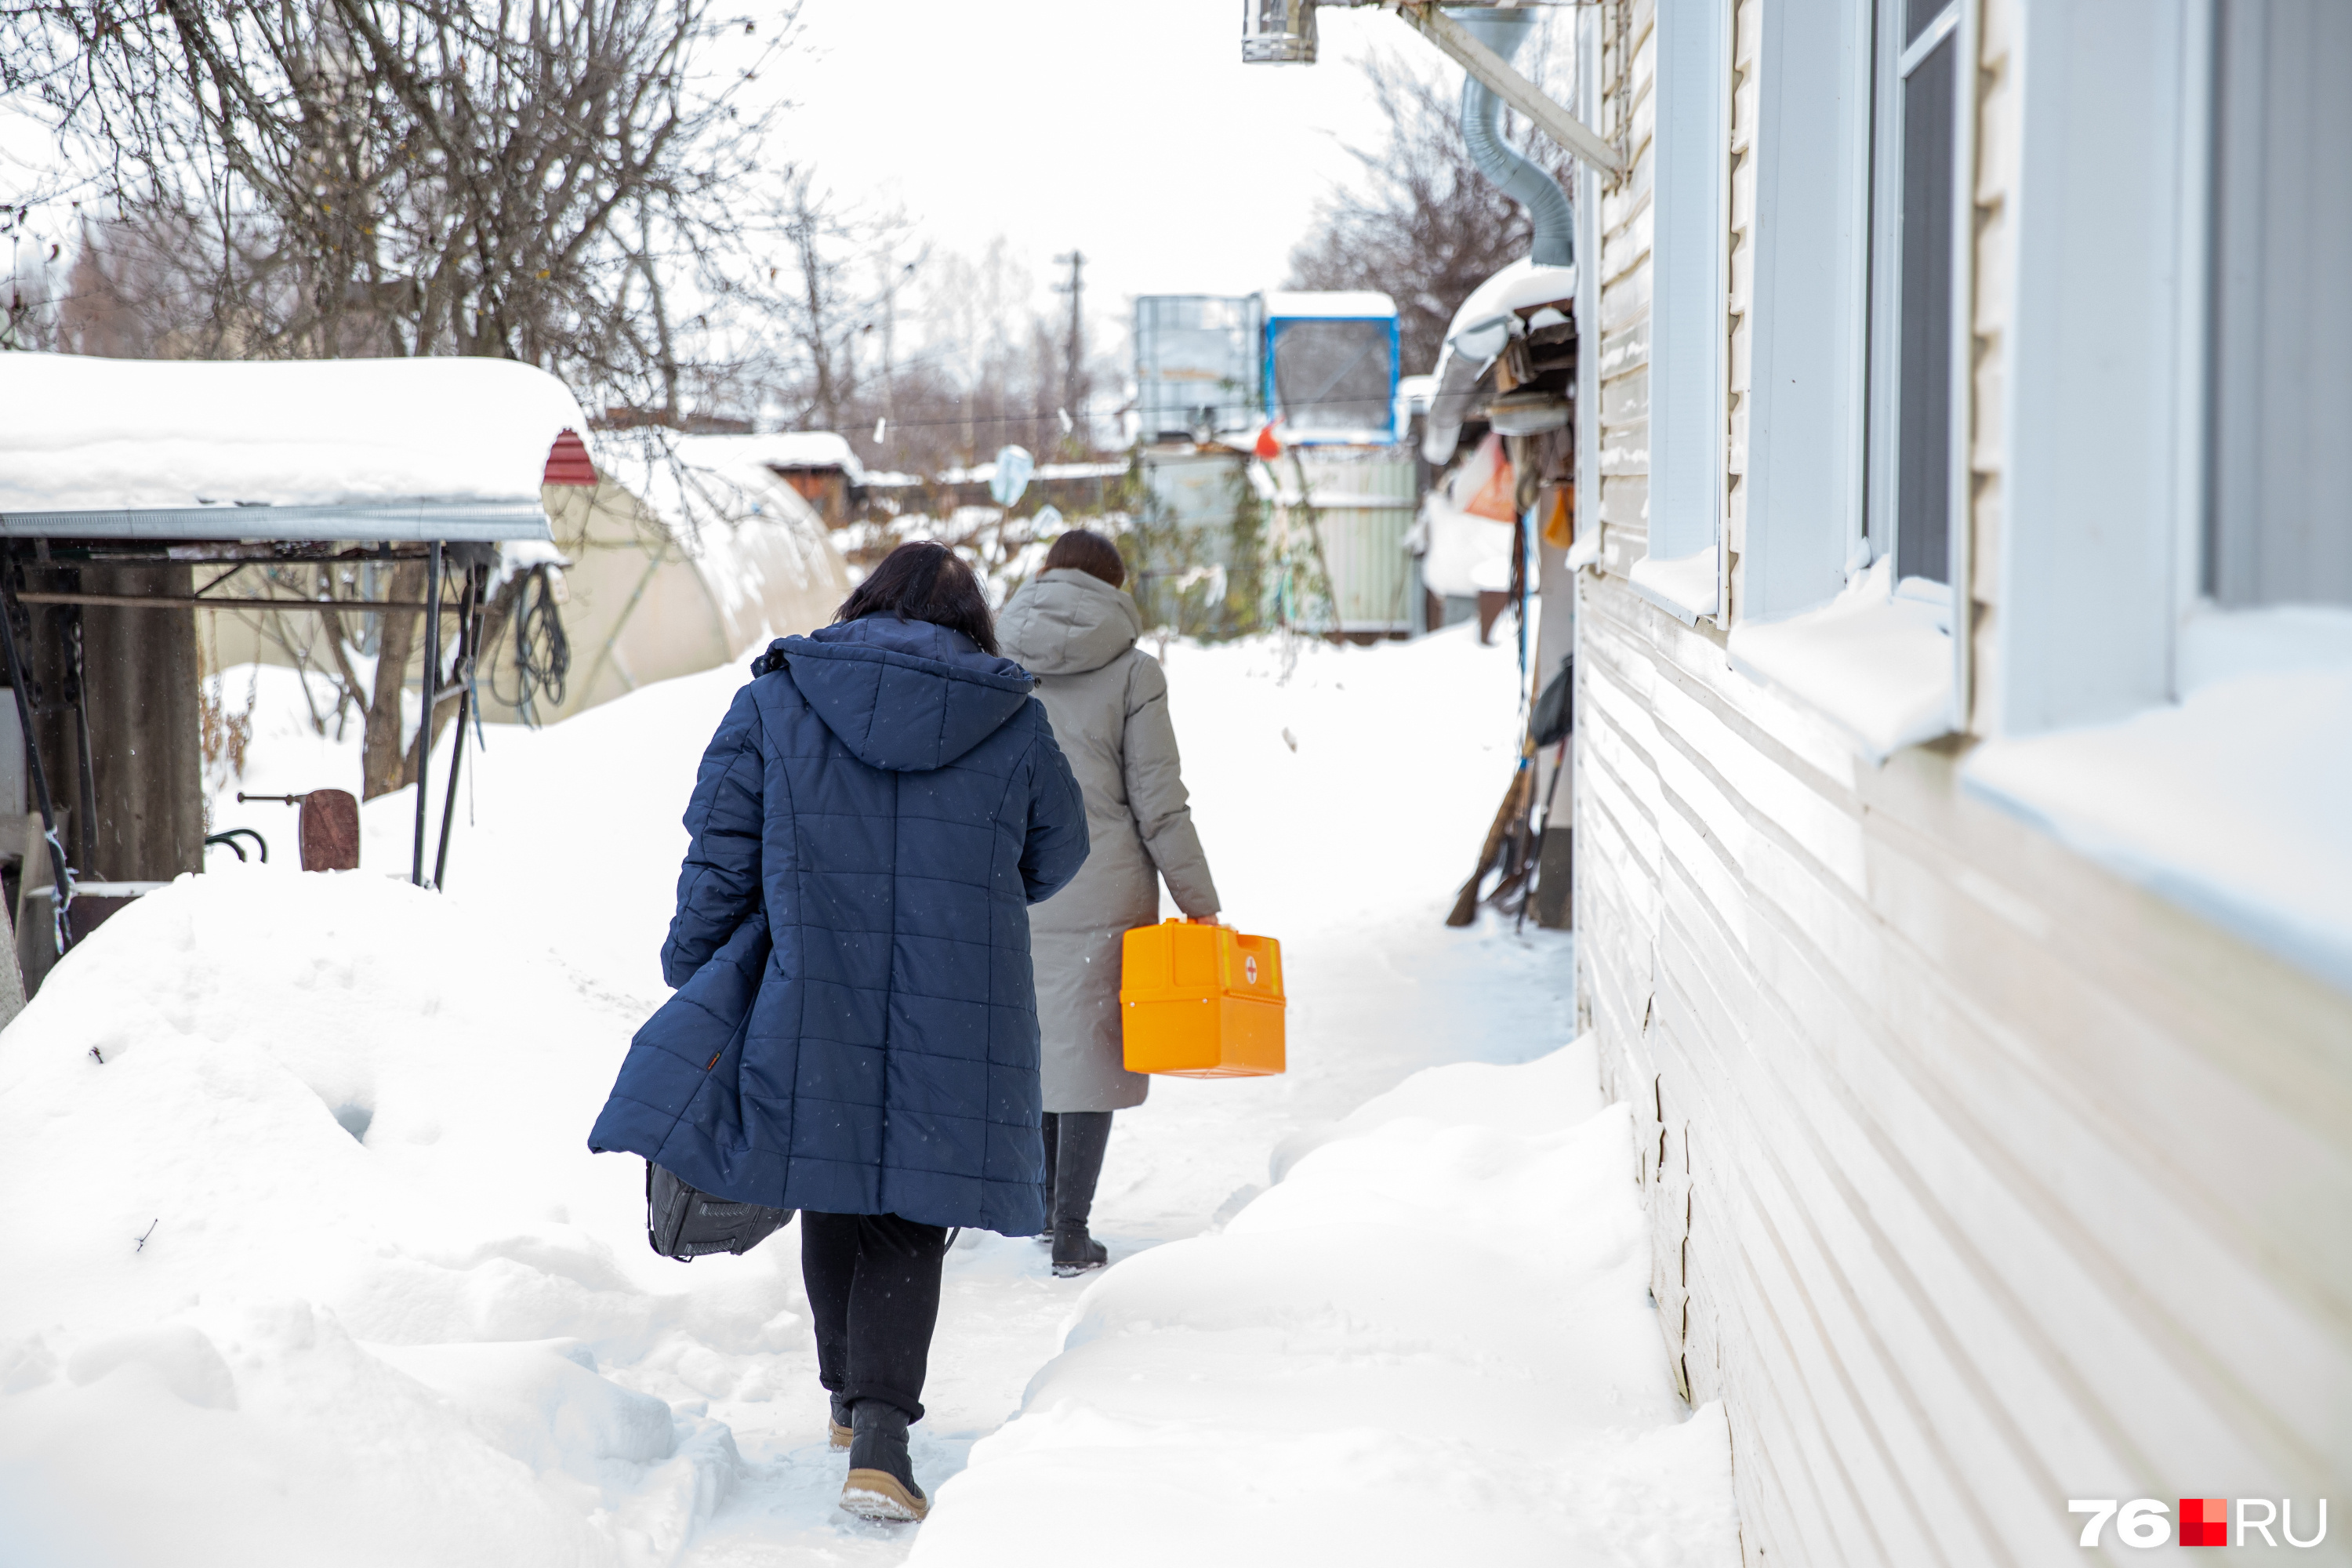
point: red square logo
(2204, 1521)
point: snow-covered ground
(388, 1309)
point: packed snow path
(391, 1312)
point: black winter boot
(1052, 1128)
(1080, 1139)
(881, 1483)
(1074, 1251)
(840, 1433)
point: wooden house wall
(1978, 1179)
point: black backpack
(1555, 714)
(684, 1222)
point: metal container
(1196, 366)
(1330, 366)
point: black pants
(1074, 1142)
(874, 1289)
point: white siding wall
(1980, 1179)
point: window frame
(1690, 326)
(2104, 366)
(1880, 522)
(1809, 389)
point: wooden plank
(1490, 68)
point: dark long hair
(1081, 551)
(925, 581)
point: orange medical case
(1201, 1001)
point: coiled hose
(542, 651)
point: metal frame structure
(114, 539)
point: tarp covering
(682, 558)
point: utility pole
(1075, 260)
(890, 276)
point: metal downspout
(1501, 28)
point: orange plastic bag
(1201, 1001)
(1494, 492)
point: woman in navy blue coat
(855, 1032)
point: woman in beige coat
(1074, 631)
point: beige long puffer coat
(1109, 703)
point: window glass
(1920, 15)
(1913, 181)
(2279, 500)
(1923, 406)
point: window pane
(1333, 377)
(2279, 514)
(1918, 13)
(1924, 375)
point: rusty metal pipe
(432, 684)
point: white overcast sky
(1128, 128)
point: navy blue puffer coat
(854, 1029)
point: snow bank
(85, 433)
(444, 1340)
(379, 1271)
(1432, 1341)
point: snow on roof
(1521, 286)
(981, 473)
(1475, 337)
(780, 449)
(416, 448)
(1328, 304)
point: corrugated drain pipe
(1501, 28)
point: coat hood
(1066, 622)
(907, 696)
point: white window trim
(1809, 384)
(1588, 482)
(1682, 570)
(2102, 374)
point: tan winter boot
(881, 1482)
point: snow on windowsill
(2230, 803)
(1683, 585)
(1877, 661)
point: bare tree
(418, 176)
(319, 178)
(1425, 227)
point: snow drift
(1431, 1341)
(366, 1320)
